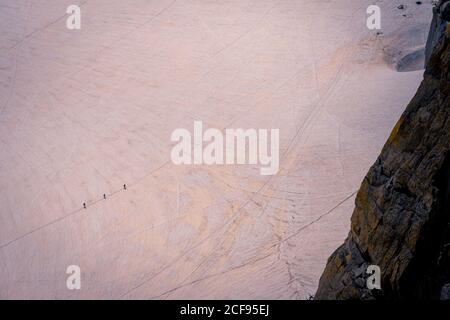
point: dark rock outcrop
(441, 17)
(401, 222)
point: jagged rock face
(402, 217)
(441, 17)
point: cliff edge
(401, 221)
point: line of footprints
(104, 197)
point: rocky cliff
(401, 221)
